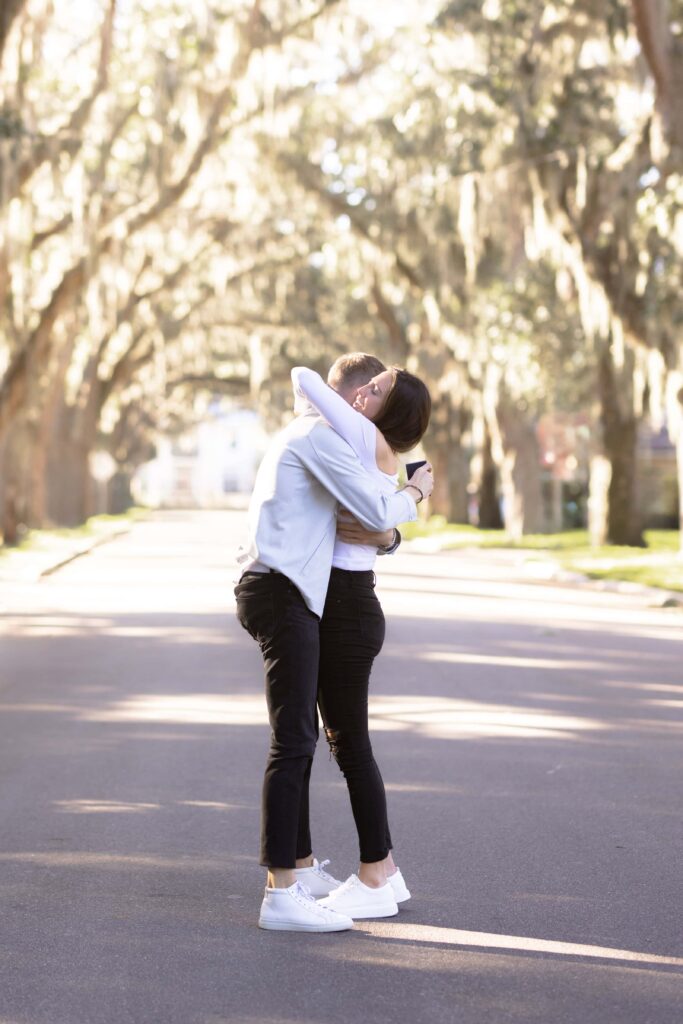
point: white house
(203, 467)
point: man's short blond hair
(354, 369)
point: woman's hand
(423, 478)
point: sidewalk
(538, 566)
(48, 550)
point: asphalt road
(529, 735)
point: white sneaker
(401, 890)
(360, 901)
(317, 879)
(295, 910)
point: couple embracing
(306, 595)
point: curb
(31, 566)
(97, 543)
(556, 576)
(662, 598)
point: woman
(389, 415)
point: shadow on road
(529, 774)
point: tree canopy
(195, 198)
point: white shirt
(361, 434)
(307, 470)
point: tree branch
(387, 315)
(310, 176)
(74, 136)
(664, 58)
(13, 388)
(226, 385)
(9, 9)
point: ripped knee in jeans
(351, 749)
(332, 736)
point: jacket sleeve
(356, 429)
(301, 403)
(338, 469)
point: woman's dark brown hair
(404, 417)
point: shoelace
(350, 883)
(323, 874)
(303, 891)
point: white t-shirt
(361, 434)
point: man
(307, 472)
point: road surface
(529, 735)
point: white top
(361, 433)
(307, 470)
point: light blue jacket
(306, 474)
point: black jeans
(273, 611)
(351, 636)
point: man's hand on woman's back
(352, 531)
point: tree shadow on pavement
(529, 776)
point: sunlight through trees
(194, 198)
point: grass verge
(95, 527)
(658, 565)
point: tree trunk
(624, 525)
(70, 485)
(598, 499)
(443, 447)
(662, 51)
(516, 450)
(14, 460)
(449, 497)
(675, 428)
(48, 399)
(10, 526)
(679, 463)
(69, 482)
(19, 445)
(9, 9)
(488, 516)
(36, 511)
(620, 441)
(120, 496)
(9, 511)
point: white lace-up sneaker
(295, 910)
(401, 890)
(317, 879)
(360, 901)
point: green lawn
(660, 564)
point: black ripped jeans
(351, 636)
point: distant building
(204, 466)
(566, 447)
(658, 478)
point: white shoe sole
(298, 926)
(401, 899)
(364, 913)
